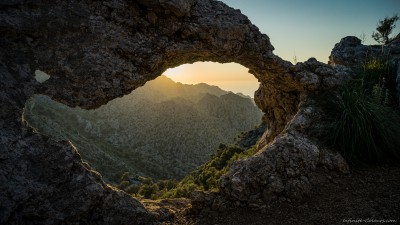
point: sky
(297, 28)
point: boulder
(351, 53)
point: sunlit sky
(306, 28)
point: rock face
(351, 53)
(286, 168)
(43, 181)
(292, 163)
(95, 51)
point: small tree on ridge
(385, 28)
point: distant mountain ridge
(170, 89)
(161, 130)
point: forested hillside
(161, 130)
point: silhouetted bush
(364, 123)
(384, 29)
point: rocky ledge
(95, 51)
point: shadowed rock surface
(95, 51)
(45, 182)
(351, 53)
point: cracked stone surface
(286, 168)
(95, 51)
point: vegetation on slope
(363, 123)
(162, 130)
(205, 178)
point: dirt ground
(368, 195)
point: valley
(162, 130)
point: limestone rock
(44, 181)
(95, 51)
(288, 167)
(212, 201)
(350, 52)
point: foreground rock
(46, 182)
(95, 51)
(358, 196)
(287, 168)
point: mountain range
(161, 130)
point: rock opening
(96, 51)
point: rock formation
(95, 51)
(292, 163)
(351, 53)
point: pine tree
(385, 28)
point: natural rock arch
(99, 50)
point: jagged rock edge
(115, 56)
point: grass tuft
(364, 122)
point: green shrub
(132, 189)
(206, 177)
(363, 122)
(148, 190)
(378, 77)
(361, 128)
